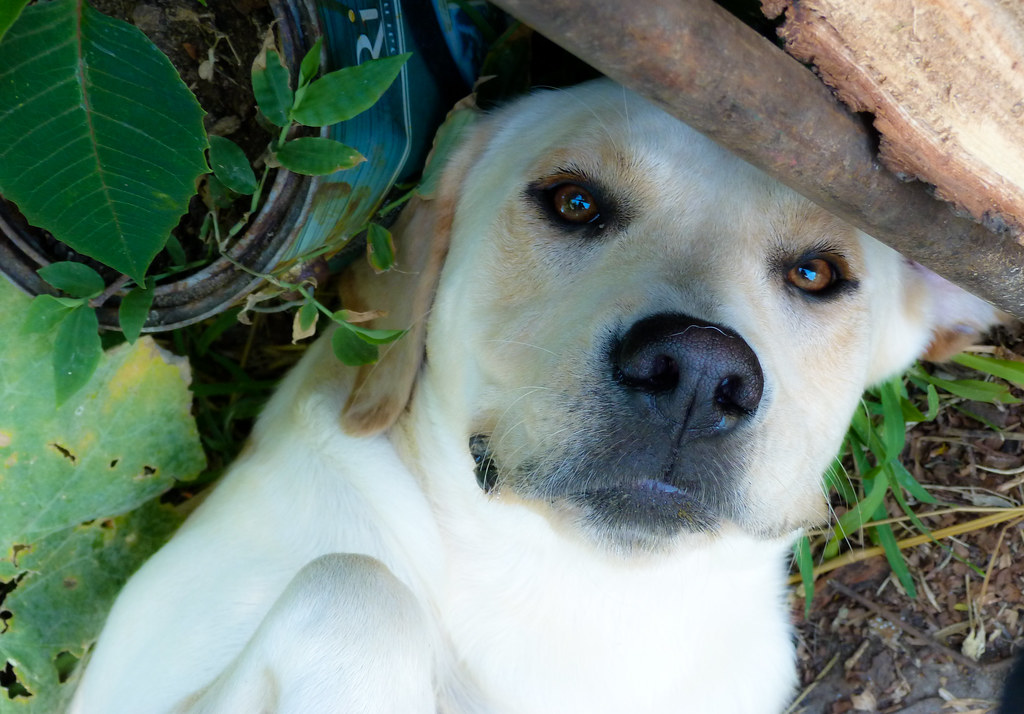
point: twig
(855, 556)
(909, 629)
(111, 289)
(821, 675)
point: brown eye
(813, 276)
(574, 204)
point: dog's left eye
(815, 275)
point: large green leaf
(100, 140)
(65, 474)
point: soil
(867, 646)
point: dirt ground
(867, 646)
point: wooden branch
(702, 65)
(945, 82)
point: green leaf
(76, 352)
(308, 315)
(933, 403)
(9, 12)
(805, 563)
(101, 142)
(906, 480)
(1009, 370)
(837, 479)
(894, 428)
(976, 390)
(856, 517)
(351, 349)
(310, 63)
(76, 279)
(447, 139)
(376, 337)
(45, 312)
(134, 311)
(317, 156)
(340, 95)
(66, 583)
(380, 248)
(893, 554)
(271, 88)
(231, 166)
(175, 250)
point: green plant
(107, 157)
(874, 444)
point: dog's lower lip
(658, 486)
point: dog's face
(641, 336)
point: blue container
(395, 134)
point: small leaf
(76, 279)
(893, 554)
(906, 479)
(1010, 370)
(134, 311)
(340, 95)
(976, 390)
(447, 139)
(9, 12)
(350, 349)
(894, 428)
(805, 563)
(175, 250)
(317, 156)
(304, 323)
(270, 87)
(310, 63)
(76, 351)
(45, 312)
(380, 248)
(376, 337)
(231, 166)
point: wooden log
(705, 67)
(945, 82)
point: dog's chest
(556, 630)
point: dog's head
(637, 333)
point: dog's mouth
(628, 510)
(645, 513)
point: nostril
(740, 393)
(729, 395)
(655, 374)
(664, 374)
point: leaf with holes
(63, 586)
(101, 142)
(121, 440)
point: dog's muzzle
(688, 372)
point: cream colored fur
(366, 571)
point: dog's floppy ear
(405, 293)
(930, 318)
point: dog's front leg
(345, 636)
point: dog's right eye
(573, 204)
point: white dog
(574, 485)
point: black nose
(692, 372)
